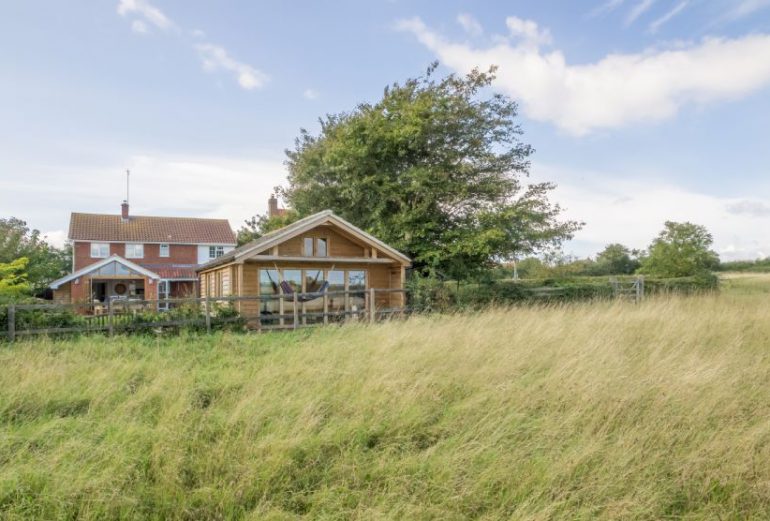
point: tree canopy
(45, 262)
(435, 168)
(616, 259)
(680, 250)
(13, 278)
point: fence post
(11, 322)
(110, 318)
(208, 314)
(296, 311)
(372, 306)
(326, 307)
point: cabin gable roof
(299, 227)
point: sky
(641, 111)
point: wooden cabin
(328, 262)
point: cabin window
(320, 248)
(134, 251)
(216, 251)
(307, 246)
(269, 285)
(294, 278)
(100, 250)
(357, 289)
(164, 250)
(313, 280)
(315, 247)
(336, 284)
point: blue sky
(640, 110)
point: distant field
(585, 411)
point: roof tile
(142, 228)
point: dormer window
(134, 251)
(315, 247)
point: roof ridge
(153, 216)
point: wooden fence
(275, 312)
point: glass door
(164, 290)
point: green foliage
(259, 225)
(14, 281)
(433, 169)
(191, 319)
(757, 266)
(616, 259)
(681, 250)
(46, 263)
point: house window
(216, 251)
(134, 251)
(100, 250)
(165, 250)
(314, 247)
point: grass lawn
(584, 411)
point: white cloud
(746, 7)
(750, 207)
(139, 26)
(470, 24)
(61, 189)
(198, 33)
(147, 11)
(215, 57)
(606, 7)
(638, 10)
(632, 212)
(617, 90)
(310, 94)
(660, 22)
(528, 31)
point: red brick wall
(179, 254)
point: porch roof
(97, 265)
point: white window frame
(100, 250)
(162, 247)
(216, 251)
(133, 254)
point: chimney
(124, 210)
(272, 206)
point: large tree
(46, 262)
(680, 250)
(435, 168)
(616, 259)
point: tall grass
(586, 411)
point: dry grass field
(583, 411)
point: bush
(191, 318)
(37, 318)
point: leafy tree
(616, 259)
(433, 169)
(259, 225)
(46, 263)
(680, 250)
(13, 278)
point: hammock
(288, 291)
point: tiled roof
(172, 272)
(141, 228)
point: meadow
(603, 410)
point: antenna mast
(128, 176)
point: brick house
(139, 257)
